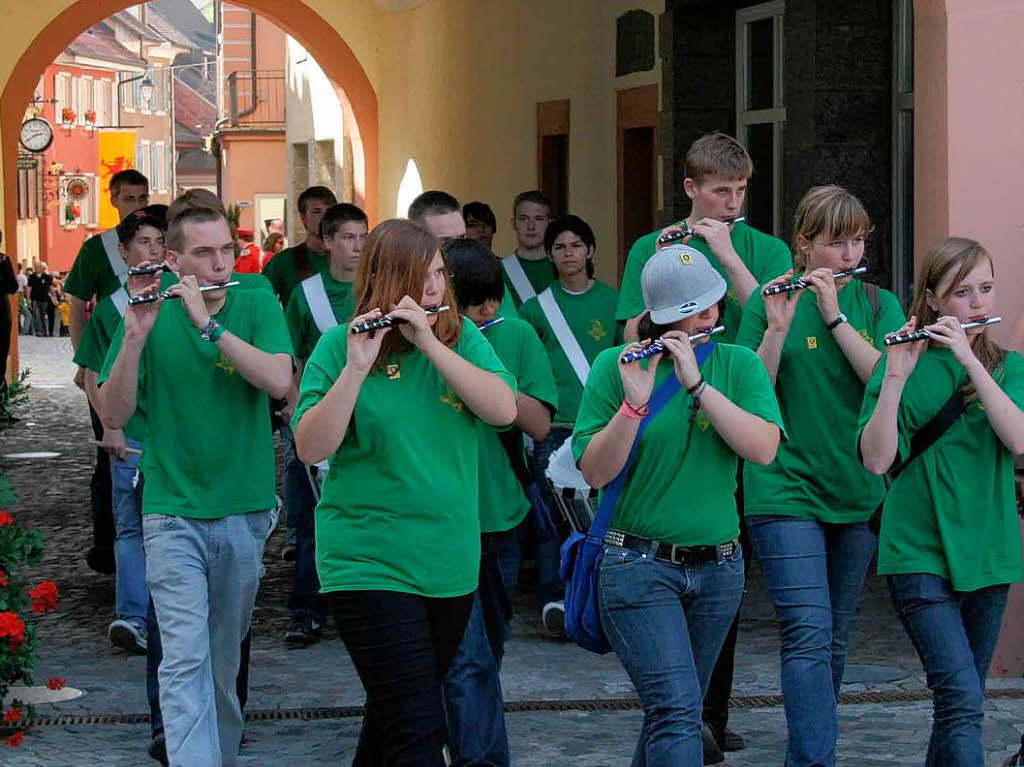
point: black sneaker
(729, 740)
(712, 753)
(158, 748)
(302, 631)
(553, 617)
(289, 552)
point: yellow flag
(117, 153)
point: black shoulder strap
(512, 442)
(932, 431)
(871, 289)
(301, 255)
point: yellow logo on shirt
(812, 342)
(867, 336)
(597, 331)
(450, 398)
(223, 363)
(702, 421)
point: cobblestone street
(54, 498)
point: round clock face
(36, 134)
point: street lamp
(146, 87)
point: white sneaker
(128, 636)
(553, 617)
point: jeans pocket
(617, 557)
(155, 524)
(259, 525)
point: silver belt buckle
(673, 554)
(615, 538)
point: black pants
(401, 646)
(716, 700)
(101, 493)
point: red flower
(12, 626)
(55, 683)
(6, 519)
(12, 716)
(3, 578)
(44, 597)
(14, 740)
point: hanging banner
(117, 153)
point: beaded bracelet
(695, 392)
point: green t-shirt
(540, 273)
(765, 256)
(503, 503)
(91, 274)
(91, 353)
(817, 473)
(284, 275)
(399, 509)
(952, 511)
(682, 485)
(507, 307)
(303, 328)
(209, 450)
(591, 318)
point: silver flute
(491, 323)
(151, 297)
(789, 287)
(386, 322)
(921, 335)
(138, 271)
(657, 347)
(686, 231)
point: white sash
(319, 304)
(117, 263)
(563, 333)
(120, 299)
(518, 277)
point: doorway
(637, 132)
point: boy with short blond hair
(716, 171)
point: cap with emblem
(679, 282)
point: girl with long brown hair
(949, 541)
(397, 526)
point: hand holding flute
(395, 318)
(657, 347)
(776, 287)
(947, 331)
(677, 232)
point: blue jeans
(305, 600)
(955, 634)
(815, 573)
(131, 595)
(203, 576)
(550, 587)
(472, 687)
(667, 623)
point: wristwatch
(837, 321)
(212, 332)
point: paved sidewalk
(54, 498)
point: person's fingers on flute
(782, 279)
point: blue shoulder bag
(582, 553)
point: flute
(789, 287)
(138, 271)
(491, 323)
(920, 335)
(665, 239)
(386, 322)
(151, 297)
(657, 347)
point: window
(103, 102)
(30, 193)
(158, 165)
(62, 91)
(86, 102)
(143, 159)
(760, 114)
(553, 153)
(903, 150)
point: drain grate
(511, 707)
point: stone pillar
(969, 167)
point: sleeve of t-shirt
(90, 352)
(82, 281)
(774, 260)
(321, 370)
(1012, 379)
(474, 347)
(631, 300)
(296, 327)
(534, 374)
(271, 272)
(753, 323)
(889, 319)
(271, 331)
(602, 396)
(867, 409)
(752, 389)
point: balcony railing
(256, 99)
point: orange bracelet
(634, 413)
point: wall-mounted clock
(36, 134)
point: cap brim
(671, 314)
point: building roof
(133, 23)
(192, 110)
(196, 161)
(98, 42)
(186, 19)
(166, 28)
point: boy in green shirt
(321, 302)
(527, 269)
(292, 265)
(472, 686)
(716, 172)
(575, 319)
(98, 271)
(203, 365)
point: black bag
(923, 439)
(543, 520)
